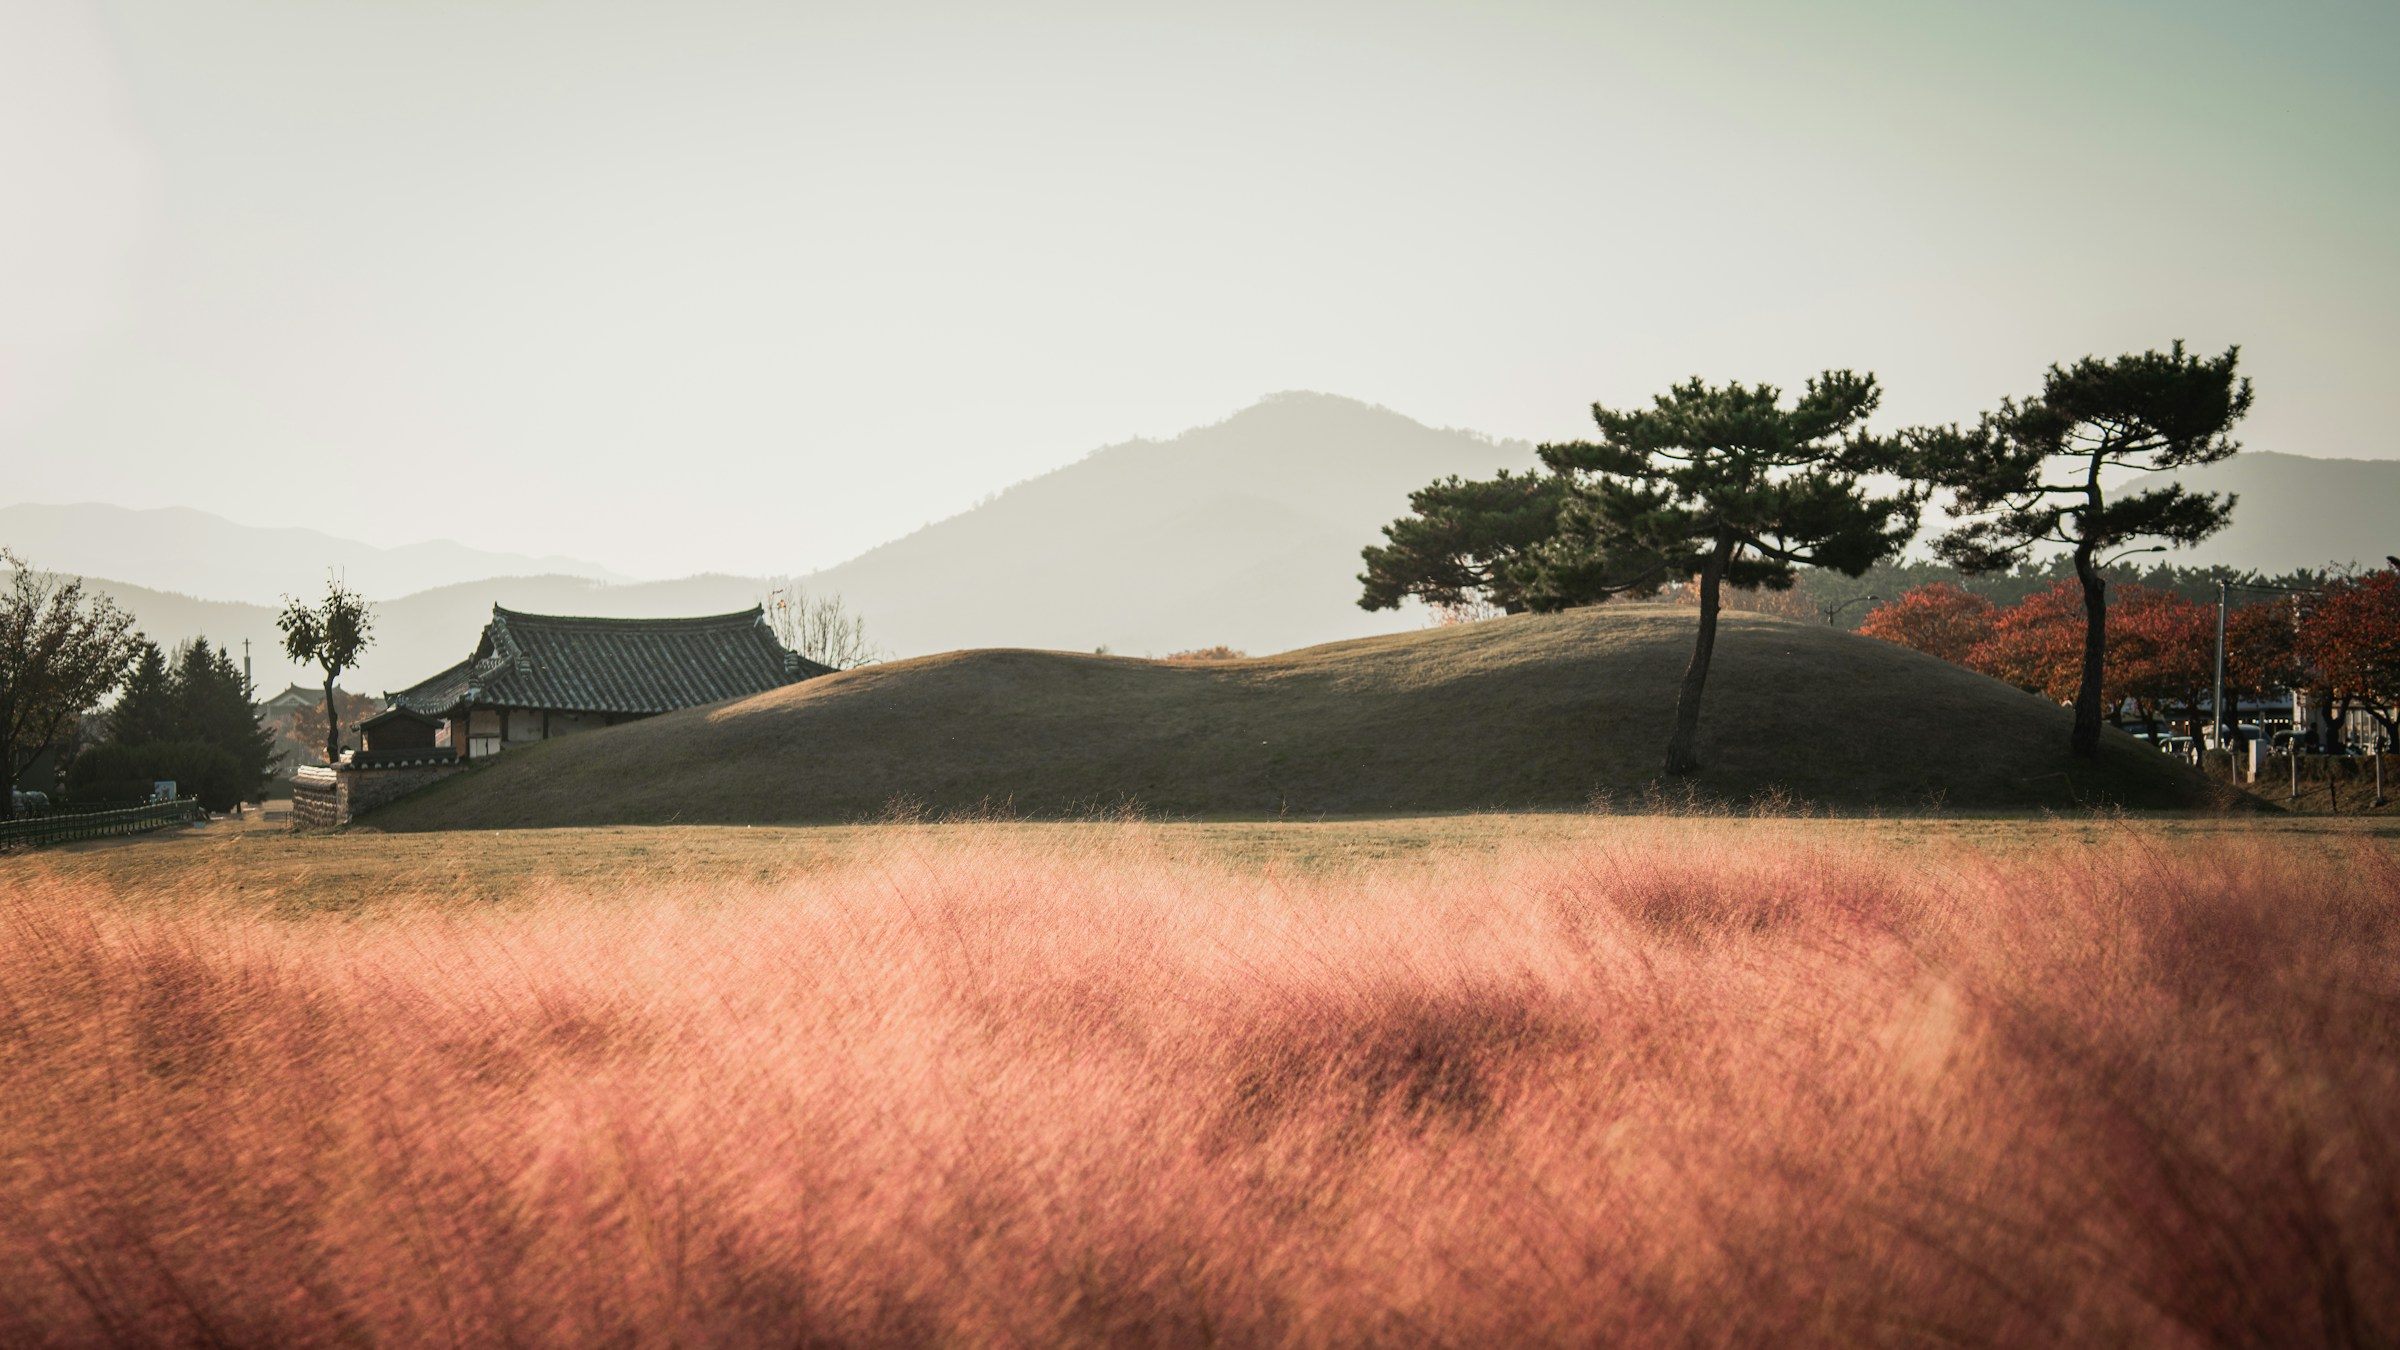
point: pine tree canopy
(2031, 473)
(1729, 483)
(1464, 541)
(1724, 467)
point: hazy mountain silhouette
(416, 635)
(1248, 533)
(2300, 511)
(195, 553)
(1245, 533)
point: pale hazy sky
(701, 284)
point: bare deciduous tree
(819, 627)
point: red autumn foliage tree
(2350, 642)
(2161, 663)
(2262, 651)
(1939, 620)
(2163, 657)
(2037, 643)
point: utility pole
(2218, 712)
(2216, 705)
(249, 690)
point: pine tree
(2032, 474)
(1725, 482)
(1464, 542)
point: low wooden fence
(65, 826)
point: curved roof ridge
(749, 615)
(435, 691)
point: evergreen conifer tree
(1726, 483)
(214, 709)
(147, 709)
(2037, 473)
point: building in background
(536, 676)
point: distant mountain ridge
(207, 556)
(417, 635)
(2298, 511)
(1244, 533)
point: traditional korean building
(298, 698)
(535, 676)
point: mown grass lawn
(263, 864)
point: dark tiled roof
(612, 665)
(398, 712)
(402, 759)
(295, 696)
(437, 693)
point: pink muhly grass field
(1724, 1082)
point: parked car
(2239, 734)
(29, 803)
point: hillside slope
(1533, 711)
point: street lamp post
(1835, 611)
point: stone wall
(370, 788)
(317, 798)
(325, 799)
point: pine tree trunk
(2086, 742)
(1680, 758)
(333, 725)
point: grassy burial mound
(1536, 711)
